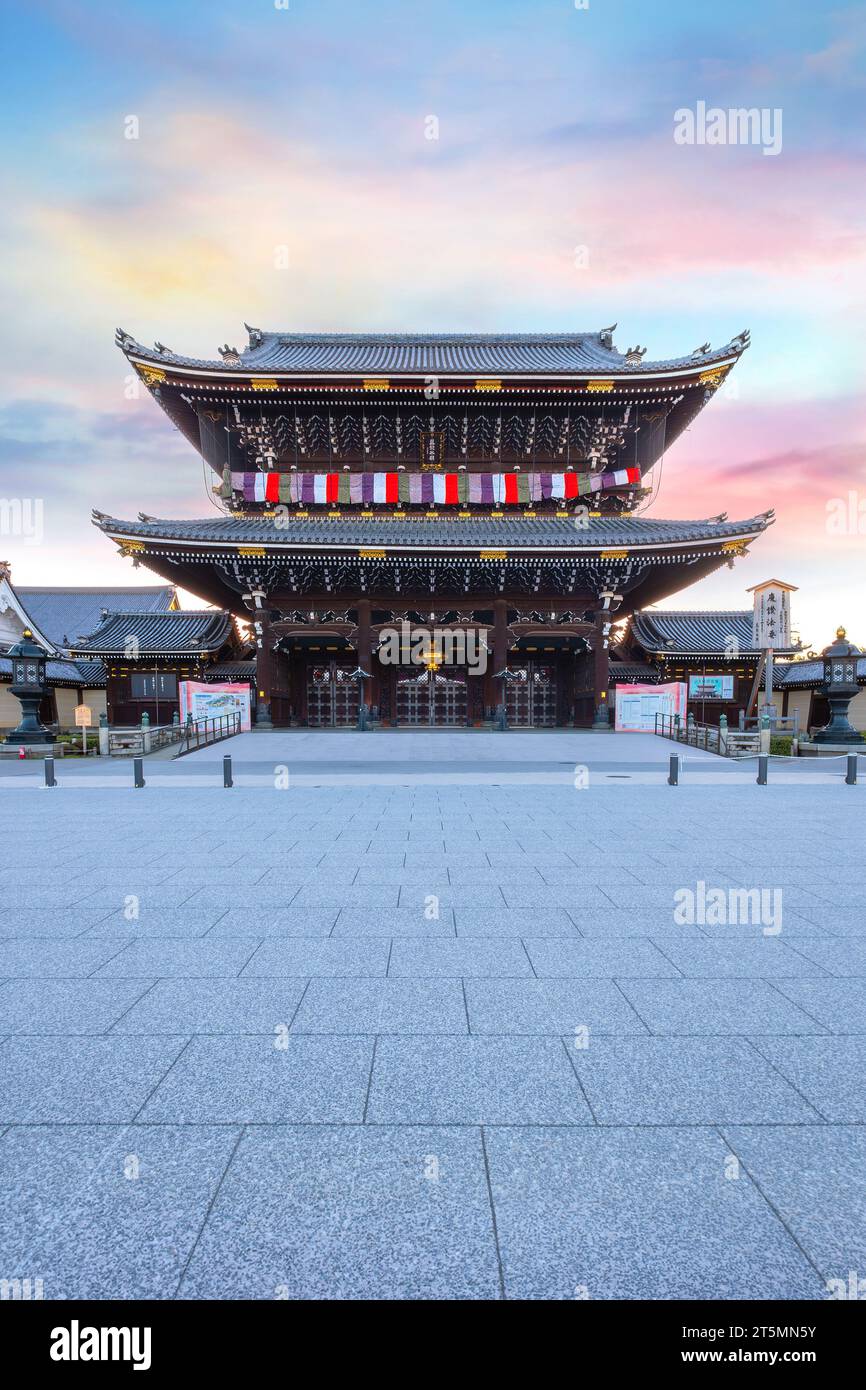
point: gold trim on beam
(488, 384)
(599, 385)
(151, 376)
(713, 377)
(376, 383)
(734, 547)
(263, 383)
(494, 554)
(257, 550)
(365, 554)
(131, 547)
(614, 555)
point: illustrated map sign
(637, 705)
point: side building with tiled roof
(147, 654)
(715, 655)
(69, 682)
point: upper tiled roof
(538, 533)
(65, 615)
(688, 633)
(183, 632)
(471, 353)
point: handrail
(200, 733)
(195, 733)
(727, 742)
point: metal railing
(138, 739)
(705, 736)
(200, 733)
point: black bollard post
(851, 774)
(138, 772)
(674, 773)
(50, 780)
(227, 771)
(763, 764)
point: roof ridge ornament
(605, 337)
(256, 336)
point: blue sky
(304, 128)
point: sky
(283, 174)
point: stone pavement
(433, 1041)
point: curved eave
(178, 372)
(603, 549)
(145, 653)
(664, 654)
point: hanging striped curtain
(425, 489)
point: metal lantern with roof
(28, 685)
(840, 687)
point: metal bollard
(138, 772)
(763, 764)
(851, 774)
(227, 771)
(674, 773)
(50, 779)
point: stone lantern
(28, 685)
(840, 687)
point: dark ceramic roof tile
(539, 533)
(717, 634)
(66, 615)
(185, 632)
(456, 353)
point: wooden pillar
(500, 634)
(365, 693)
(265, 669)
(601, 671)
(500, 647)
(364, 635)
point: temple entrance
(530, 696)
(332, 696)
(431, 698)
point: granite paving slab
(348, 1213)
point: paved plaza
(449, 1015)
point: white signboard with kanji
(771, 616)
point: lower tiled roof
(83, 673)
(808, 673)
(690, 633)
(184, 632)
(538, 533)
(629, 671)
